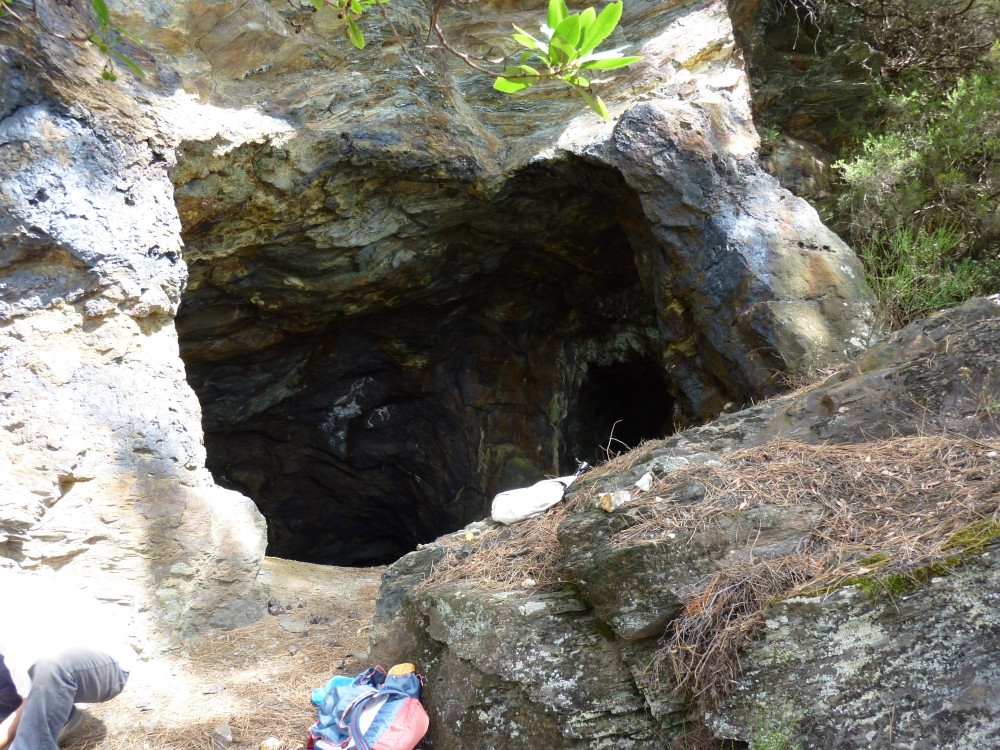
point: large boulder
(863, 661)
(845, 671)
(102, 465)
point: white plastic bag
(516, 505)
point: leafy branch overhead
(566, 50)
(107, 39)
(350, 12)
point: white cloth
(41, 617)
(517, 505)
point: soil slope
(255, 680)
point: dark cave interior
(363, 430)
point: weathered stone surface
(399, 278)
(848, 667)
(638, 589)
(514, 667)
(915, 671)
(800, 167)
(101, 458)
(394, 297)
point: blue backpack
(374, 711)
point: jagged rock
(458, 304)
(914, 670)
(393, 296)
(221, 737)
(827, 660)
(106, 464)
(536, 670)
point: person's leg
(75, 676)
(9, 699)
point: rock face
(101, 458)
(852, 670)
(919, 670)
(811, 75)
(404, 297)
(393, 294)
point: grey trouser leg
(74, 676)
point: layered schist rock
(407, 292)
(396, 294)
(844, 670)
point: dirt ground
(254, 683)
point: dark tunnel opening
(367, 414)
(619, 406)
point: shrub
(921, 200)
(913, 273)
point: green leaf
(354, 34)
(528, 76)
(561, 51)
(606, 22)
(317, 4)
(557, 13)
(568, 30)
(587, 20)
(609, 63)
(577, 80)
(526, 39)
(356, 7)
(132, 65)
(509, 86)
(101, 11)
(595, 103)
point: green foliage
(108, 39)
(350, 12)
(922, 198)
(913, 273)
(566, 50)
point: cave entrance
(619, 405)
(373, 395)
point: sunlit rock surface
(392, 294)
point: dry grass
(257, 679)
(505, 557)
(703, 649)
(890, 511)
(903, 497)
